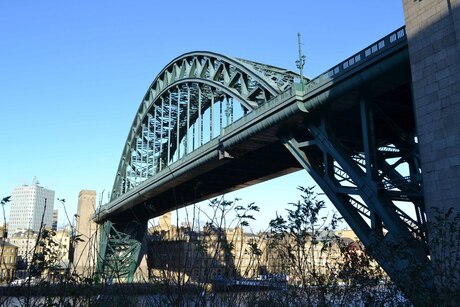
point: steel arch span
(189, 103)
(210, 124)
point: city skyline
(73, 76)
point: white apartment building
(30, 204)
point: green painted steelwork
(175, 103)
(119, 252)
(318, 92)
(343, 127)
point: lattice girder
(365, 187)
(120, 250)
(178, 112)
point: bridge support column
(121, 249)
(433, 31)
(362, 179)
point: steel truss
(189, 103)
(120, 247)
(367, 186)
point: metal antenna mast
(300, 62)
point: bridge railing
(257, 112)
(366, 54)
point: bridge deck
(249, 151)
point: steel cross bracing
(189, 103)
(120, 251)
(366, 185)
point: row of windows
(9, 259)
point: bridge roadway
(250, 150)
(352, 128)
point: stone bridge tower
(433, 32)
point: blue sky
(73, 73)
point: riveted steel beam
(365, 185)
(120, 250)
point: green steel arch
(351, 128)
(189, 103)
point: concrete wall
(433, 29)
